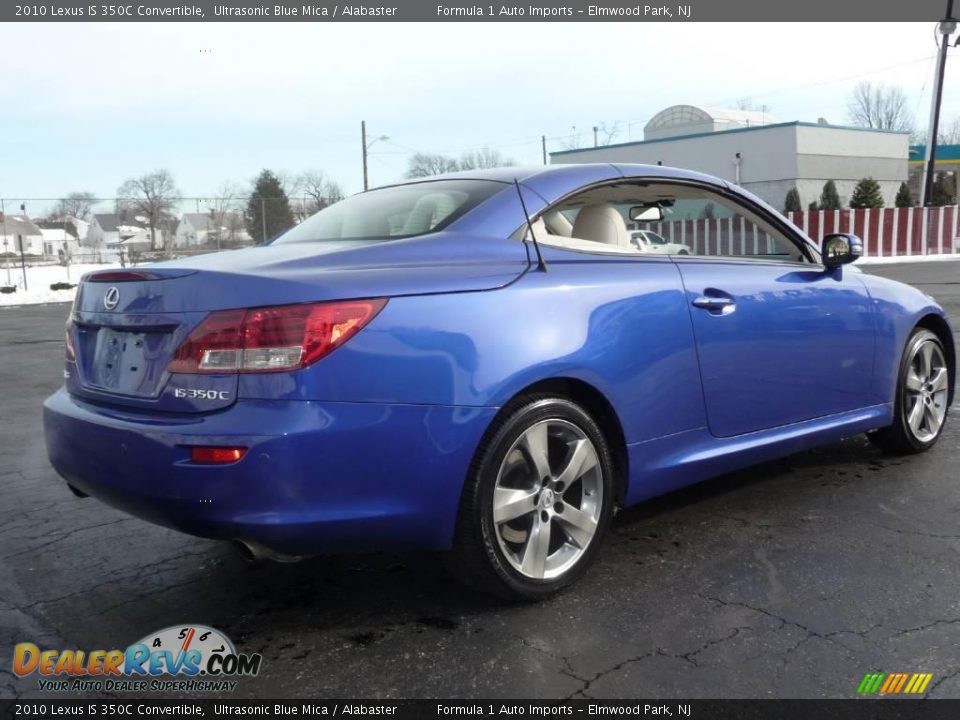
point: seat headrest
(601, 223)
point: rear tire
(920, 408)
(537, 502)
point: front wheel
(923, 389)
(537, 502)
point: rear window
(394, 212)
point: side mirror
(646, 213)
(840, 249)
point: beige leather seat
(603, 224)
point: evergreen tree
(792, 202)
(829, 198)
(268, 210)
(813, 205)
(904, 198)
(866, 195)
(944, 190)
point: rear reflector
(216, 455)
(273, 339)
(118, 276)
(70, 351)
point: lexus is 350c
(484, 363)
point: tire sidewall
(919, 336)
(502, 441)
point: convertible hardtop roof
(590, 172)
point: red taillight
(216, 455)
(274, 339)
(70, 351)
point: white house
(203, 228)
(58, 240)
(108, 232)
(18, 232)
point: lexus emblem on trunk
(111, 299)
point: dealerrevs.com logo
(180, 658)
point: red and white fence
(886, 232)
(889, 232)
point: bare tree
(316, 191)
(148, 199)
(75, 205)
(608, 133)
(949, 134)
(426, 164)
(573, 141)
(880, 107)
(224, 212)
(484, 158)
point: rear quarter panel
(619, 324)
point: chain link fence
(111, 230)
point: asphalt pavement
(791, 579)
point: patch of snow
(39, 280)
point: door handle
(716, 305)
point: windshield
(394, 212)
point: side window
(699, 223)
(636, 217)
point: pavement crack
(568, 667)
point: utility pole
(263, 219)
(23, 260)
(595, 142)
(543, 143)
(6, 260)
(947, 26)
(366, 149)
(363, 140)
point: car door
(779, 339)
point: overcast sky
(87, 105)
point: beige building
(766, 158)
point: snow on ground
(39, 280)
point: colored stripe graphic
(894, 683)
(870, 683)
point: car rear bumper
(317, 477)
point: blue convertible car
(485, 363)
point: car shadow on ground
(366, 597)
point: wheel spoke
(534, 560)
(939, 380)
(933, 422)
(534, 445)
(926, 359)
(915, 418)
(578, 525)
(509, 504)
(914, 382)
(582, 460)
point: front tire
(537, 503)
(923, 388)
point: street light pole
(366, 150)
(947, 26)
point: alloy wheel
(548, 499)
(925, 391)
